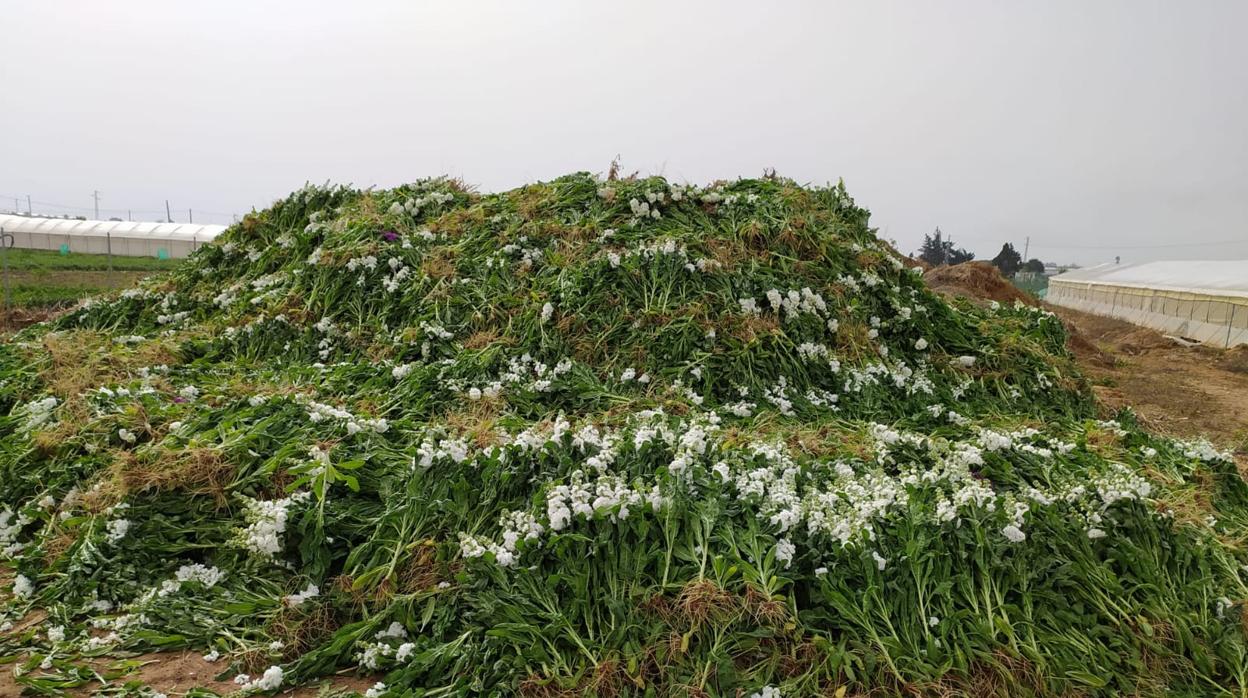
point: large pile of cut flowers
(598, 437)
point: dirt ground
(175, 673)
(1186, 391)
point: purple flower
(179, 398)
(389, 235)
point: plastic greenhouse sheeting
(1202, 300)
(124, 238)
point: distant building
(1204, 301)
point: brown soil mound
(978, 281)
(1236, 360)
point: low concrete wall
(1220, 321)
(99, 244)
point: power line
(1145, 247)
(95, 210)
(1062, 246)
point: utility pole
(29, 210)
(96, 195)
(168, 215)
(128, 216)
(190, 216)
(1026, 248)
(16, 207)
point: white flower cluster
(196, 572)
(643, 209)
(399, 273)
(267, 522)
(524, 372)
(430, 451)
(319, 412)
(386, 644)
(605, 496)
(37, 413)
(117, 529)
(270, 681)
(413, 206)
(298, 599)
(10, 529)
(790, 304)
(657, 249)
(840, 500)
(1204, 451)
(368, 263)
(528, 256)
(23, 588)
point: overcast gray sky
(1096, 128)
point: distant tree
(1034, 266)
(937, 251)
(1008, 260)
(932, 251)
(959, 255)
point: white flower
(933, 621)
(784, 552)
(1095, 533)
(400, 372)
(263, 536)
(920, 344)
(547, 311)
(23, 588)
(311, 592)
(880, 561)
(376, 691)
(212, 656)
(56, 633)
(127, 435)
(1013, 533)
(271, 681)
(117, 530)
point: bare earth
(1182, 391)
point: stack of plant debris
(617, 437)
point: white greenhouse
(1204, 301)
(122, 238)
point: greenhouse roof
(74, 227)
(1212, 277)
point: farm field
(609, 437)
(42, 281)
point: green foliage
(600, 437)
(1008, 260)
(936, 251)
